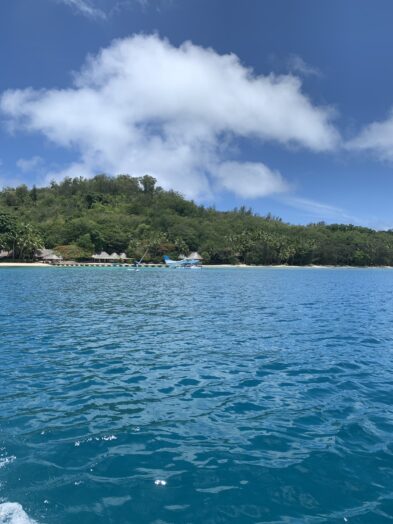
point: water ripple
(207, 397)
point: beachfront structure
(53, 258)
(106, 257)
(48, 255)
(101, 257)
(194, 256)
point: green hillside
(81, 216)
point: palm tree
(26, 241)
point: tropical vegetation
(18, 237)
(77, 217)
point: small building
(194, 256)
(47, 255)
(53, 258)
(106, 257)
(101, 257)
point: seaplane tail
(171, 263)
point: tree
(26, 241)
(8, 226)
(85, 242)
(22, 194)
(148, 184)
(34, 195)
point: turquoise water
(225, 396)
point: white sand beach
(23, 264)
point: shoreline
(207, 266)
(23, 264)
(286, 266)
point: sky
(282, 106)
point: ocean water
(213, 396)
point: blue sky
(279, 105)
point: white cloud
(104, 9)
(86, 8)
(249, 180)
(27, 165)
(296, 64)
(376, 137)
(145, 106)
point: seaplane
(185, 263)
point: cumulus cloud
(249, 179)
(144, 106)
(376, 137)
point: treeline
(78, 217)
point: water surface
(256, 396)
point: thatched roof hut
(102, 256)
(47, 254)
(194, 256)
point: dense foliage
(19, 238)
(78, 217)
